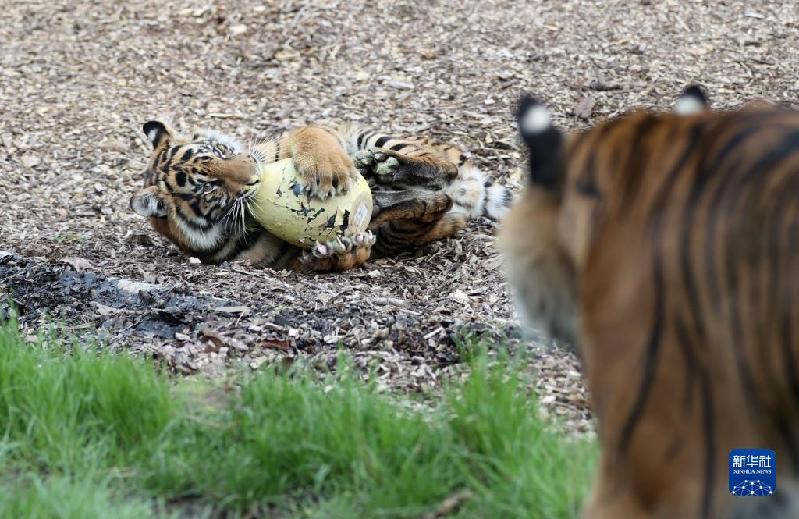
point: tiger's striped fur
(196, 193)
(667, 247)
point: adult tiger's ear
(157, 133)
(149, 202)
(692, 101)
(544, 140)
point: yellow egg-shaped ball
(284, 209)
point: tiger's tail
(474, 194)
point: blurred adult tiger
(666, 245)
(196, 189)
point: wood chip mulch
(77, 80)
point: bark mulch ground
(77, 80)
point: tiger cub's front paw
(340, 254)
(325, 172)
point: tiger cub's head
(545, 237)
(195, 190)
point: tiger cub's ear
(544, 140)
(692, 101)
(149, 202)
(157, 133)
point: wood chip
(402, 85)
(585, 108)
(8, 141)
(238, 30)
(29, 160)
(276, 344)
(232, 309)
(79, 264)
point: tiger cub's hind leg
(404, 220)
(394, 168)
(423, 207)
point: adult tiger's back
(667, 247)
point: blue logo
(753, 472)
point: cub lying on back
(666, 246)
(196, 189)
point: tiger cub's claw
(341, 245)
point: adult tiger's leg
(609, 499)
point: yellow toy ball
(283, 209)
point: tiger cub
(196, 192)
(666, 246)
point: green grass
(85, 434)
